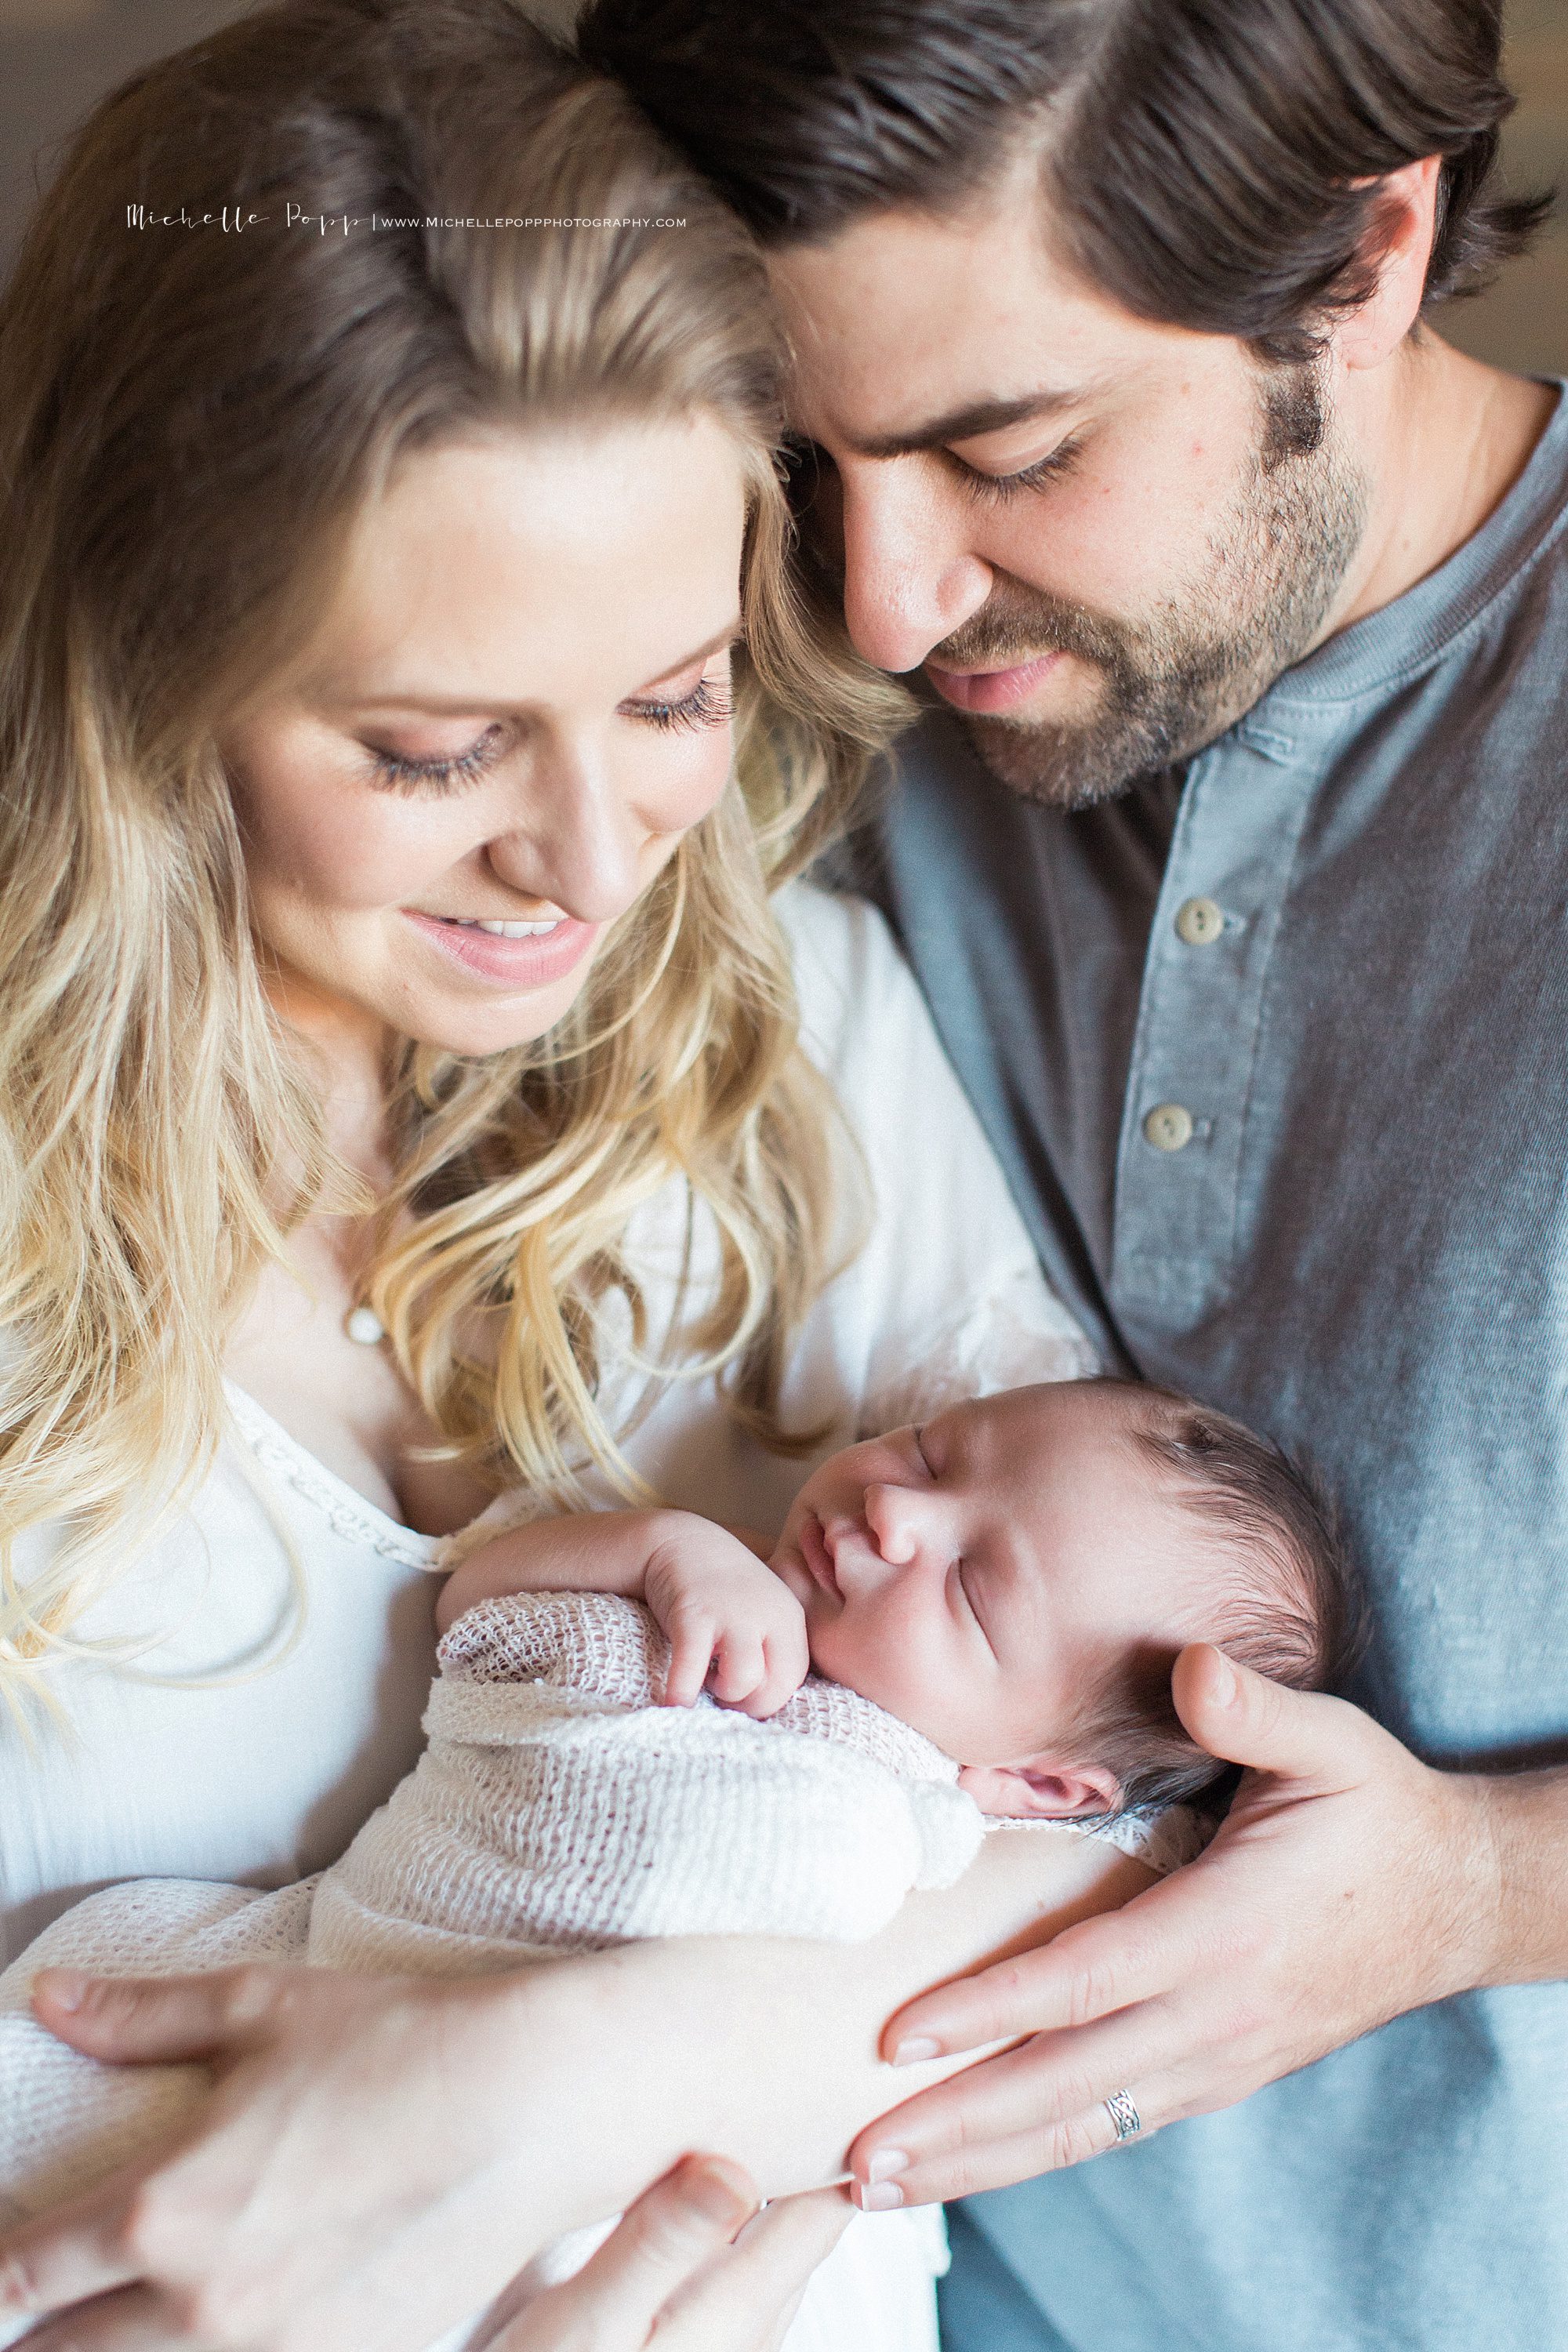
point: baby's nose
(890, 1516)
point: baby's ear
(1039, 1791)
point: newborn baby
(1013, 1580)
(624, 1739)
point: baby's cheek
(838, 1651)
(867, 1657)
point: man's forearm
(1526, 1817)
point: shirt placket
(1199, 1019)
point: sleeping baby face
(975, 1575)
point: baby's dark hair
(1296, 1611)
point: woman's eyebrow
(468, 705)
(727, 636)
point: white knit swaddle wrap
(556, 1809)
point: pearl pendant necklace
(364, 1326)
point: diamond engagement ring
(1124, 2115)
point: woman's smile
(510, 954)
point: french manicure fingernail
(909, 2053)
(881, 2197)
(886, 2163)
(1224, 1686)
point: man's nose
(909, 576)
(577, 842)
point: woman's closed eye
(688, 701)
(436, 771)
(707, 701)
(709, 704)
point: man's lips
(985, 690)
(817, 1558)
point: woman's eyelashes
(710, 703)
(994, 489)
(707, 703)
(404, 772)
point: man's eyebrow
(967, 424)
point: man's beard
(1175, 684)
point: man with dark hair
(1232, 850)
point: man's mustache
(1010, 630)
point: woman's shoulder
(946, 1286)
(857, 994)
(831, 926)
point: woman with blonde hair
(411, 1095)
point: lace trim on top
(1016, 1333)
(1164, 1841)
(350, 1514)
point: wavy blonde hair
(192, 420)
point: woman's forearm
(764, 2050)
(381, 2154)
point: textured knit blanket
(557, 1809)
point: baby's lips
(815, 1553)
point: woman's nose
(577, 842)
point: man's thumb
(145, 2020)
(1244, 1719)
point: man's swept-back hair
(1213, 164)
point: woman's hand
(1350, 1882)
(380, 2158)
(676, 2276)
(361, 2177)
(691, 2265)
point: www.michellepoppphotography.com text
(233, 220)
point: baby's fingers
(738, 1670)
(690, 1656)
(787, 1661)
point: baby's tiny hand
(730, 1623)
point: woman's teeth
(504, 930)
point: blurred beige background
(57, 56)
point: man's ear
(1400, 234)
(1039, 1790)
